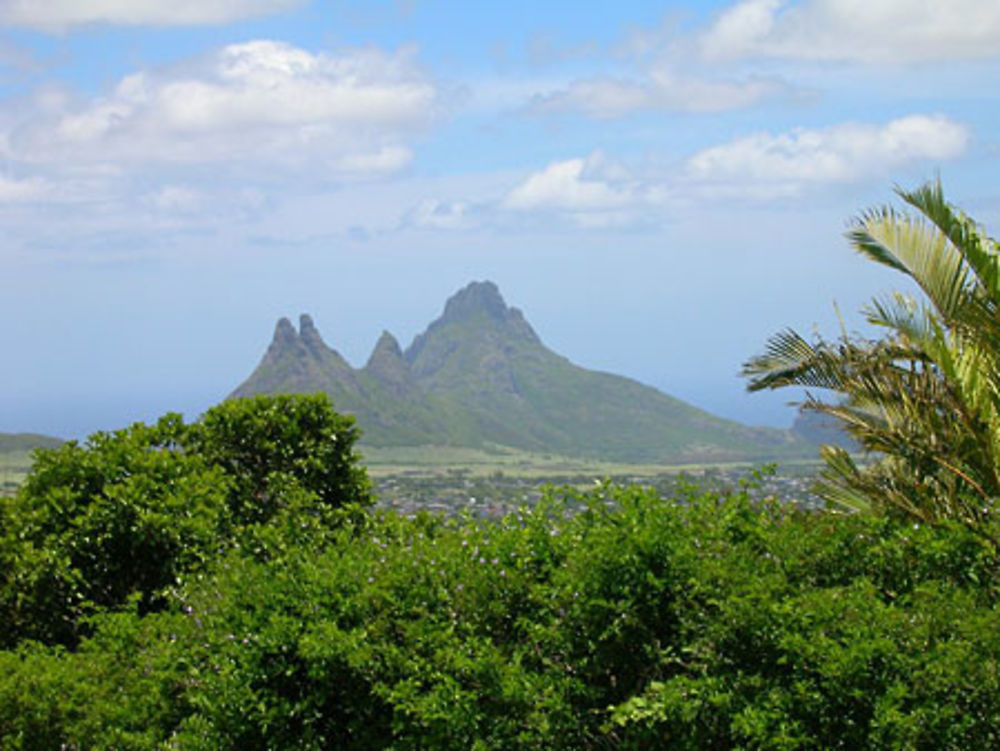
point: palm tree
(923, 401)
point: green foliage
(113, 692)
(127, 512)
(925, 400)
(131, 511)
(613, 618)
(219, 586)
(261, 441)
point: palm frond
(923, 402)
(922, 252)
(979, 251)
(902, 315)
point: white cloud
(13, 190)
(571, 185)
(58, 15)
(592, 192)
(840, 153)
(209, 145)
(434, 214)
(260, 104)
(177, 198)
(184, 206)
(867, 31)
(660, 89)
(599, 192)
(383, 161)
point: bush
(614, 618)
(130, 511)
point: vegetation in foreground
(276, 613)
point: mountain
(10, 442)
(820, 428)
(480, 376)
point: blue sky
(659, 186)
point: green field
(14, 465)
(441, 461)
(499, 477)
(382, 462)
(15, 457)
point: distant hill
(26, 442)
(480, 376)
(820, 428)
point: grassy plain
(14, 465)
(436, 473)
(498, 480)
(16, 458)
(383, 462)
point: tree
(262, 441)
(123, 512)
(924, 400)
(126, 513)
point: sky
(658, 186)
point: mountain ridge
(479, 375)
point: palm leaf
(979, 251)
(920, 250)
(924, 402)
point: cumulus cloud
(58, 15)
(573, 185)
(262, 103)
(597, 191)
(840, 153)
(660, 89)
(176, 198)
(434, 214)
(897, 31)
(587, 192)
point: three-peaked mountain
(479, 376)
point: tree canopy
(127, 512)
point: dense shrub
(217, 586)
(130, 511)
(703, 621)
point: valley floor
(491, 483)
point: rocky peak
(473, 316)
(474, 299)
(310, 334)
(285, 341)
(386, 348)
(284, 334)
(387, 363)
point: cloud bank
(839, 153)
(596, 191)
(865, 31)
(60, 15)
(660, 89)
(259, 105)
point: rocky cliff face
(298, 362)
(480, 375)
(388, 366)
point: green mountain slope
(10, 442)
(480, 375)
